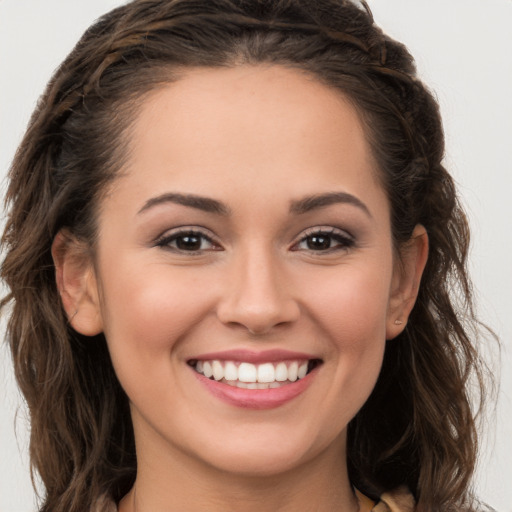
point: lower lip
(256, 398)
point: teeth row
(266, 373)
(255, 385)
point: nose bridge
(258, 294)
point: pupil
(316, 242)
(189, 243)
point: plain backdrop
(463, 50)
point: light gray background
(463, 49)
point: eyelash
(342, 239)
(167, 239)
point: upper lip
(255, 357)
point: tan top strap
(400, 500)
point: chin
(258, 465)
(264, 456)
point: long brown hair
(417, 428)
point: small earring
(398, 322)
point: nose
(257, 295)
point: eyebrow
(317, 201)
(205, 204)
(298, 207)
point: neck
(183, 483)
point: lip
(256, 398)
(249, 356)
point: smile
(269, 375)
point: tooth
(230, 371)
(218, 371)
(266, 372)
(247, 372)
(250, 376)
(292, 371)
(207, 369)
(281, 372)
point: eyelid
(348, 238)
(173, 233)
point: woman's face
(248, 236)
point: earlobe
(406, 281)
(76, 283)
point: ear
(76, 283)
(407, 272)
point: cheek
(351, 305)
(146, 314)
(350, 309)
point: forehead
(249, 128)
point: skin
(255, 139)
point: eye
(187, 241)
(324, 240)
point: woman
(234, 203)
